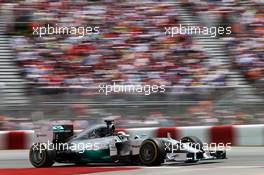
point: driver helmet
(122, 133)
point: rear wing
(46, 131)
(61, 133)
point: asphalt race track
(241, 161)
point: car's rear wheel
(80, 163)
(151, 152)
(41, 157)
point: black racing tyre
(41, 157)
(135, 160)
(80, 163)
(195, 142)
(151, 152)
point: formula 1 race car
(103, 144)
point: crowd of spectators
(132, 47)
(246, 44)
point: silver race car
(103, 144)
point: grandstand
(13, 86)
(56, 73)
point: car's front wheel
(151, 152)
(39, 156)
(194, 142)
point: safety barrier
(236, 135)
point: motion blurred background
(209, 81)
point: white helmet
(122, 133)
